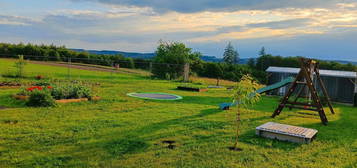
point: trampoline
(155, 96)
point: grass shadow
(204, 100)
(136, 141)
(7, 101)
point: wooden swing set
(309, 70)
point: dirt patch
(71, 100)
(2, 108)
(170, 144)
(11, 121)
(232, 148)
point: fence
(139, 67)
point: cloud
(139, 27)
(191, 6)
(254, 33)
(283, 24)
(15, 20)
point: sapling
(244, 94)
(20, 66)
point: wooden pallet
(286, 132)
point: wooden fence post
(186, 72)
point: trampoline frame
(148, 98)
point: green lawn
(122, 131)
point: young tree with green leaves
(244, 94)
(20, 66)
(230, 55)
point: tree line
(169, 61)
(265, 60)
(61, 53)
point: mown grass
(122, 131)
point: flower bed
(96, 98)
(50, 95)
(6, 84)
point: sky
(322, 29)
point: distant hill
(344, 62)
(125, 54)
(150, 55)
(139, 55)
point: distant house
(341, 85)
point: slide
(226, 106)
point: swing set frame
(309, 70)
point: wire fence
(142, 67)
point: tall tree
(262, 52)
(230, 55)
(170, 59)
(251, 62)
(261, 55)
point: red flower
(49, 87)
(33, 88)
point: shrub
(41, 98)
(42, 83)
(80, 91)
(59, 93)
(71, 91)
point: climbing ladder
(309, 68)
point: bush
(40, 98)
(59, 93)
(42, 83)
(79, 91)
(66, 91)
(71, 91)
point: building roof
(333, 73)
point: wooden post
(186, 72)
(69, 68)
(324, 89)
